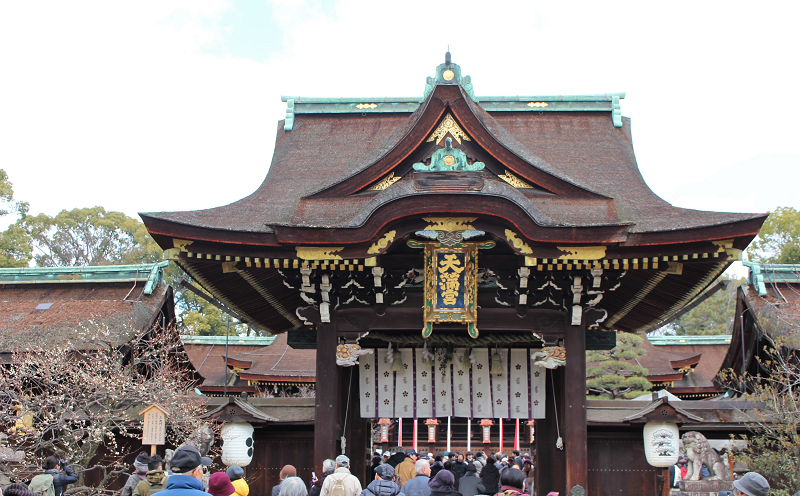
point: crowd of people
(401, 473)
(408, 473)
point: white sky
(157, 105)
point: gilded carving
(319, 252)
(448, 75)
(449, 223)
(538, 104)
(517, 243)
(448, 125)
(382, 243)
(181, 244)
(582, 252)
(362, 106)
(514, 180)
(384, 183)
(550, 357)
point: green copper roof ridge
(690, 340)
(599, 97)
(232, 340)
(152, 274)
(759, 274)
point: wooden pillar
(575, 408)
(358, 430)
(550, 462)
(328, 397)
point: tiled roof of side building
(43, 306)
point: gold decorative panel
(319, 252)
(514, 180)
(449, 223)
(382, 243)
(384, 183)
(538, 104)
(517, 243)
(362, 106)
(448, 125)
(582, 252)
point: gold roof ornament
(448, 125)
(384, 183)
(514, 180)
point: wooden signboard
(154, 429)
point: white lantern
(237, 443)
(661, 443)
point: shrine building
(451, 257)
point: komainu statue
(699, 453)
(202, 439)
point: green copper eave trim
(689, 340)
(232, 340)
(152, 274)
(759, 274)
(606, 102)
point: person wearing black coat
(397, 458)
(470, 485)
(459, 467)
(490, 476)
(442, 484)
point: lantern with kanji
(384, 424)
(431, 423)
(532, 430)
(486, 428)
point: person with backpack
(52, 482)
(341, 482)
(17, 490)
(236, 475)
(155, 479)
(139, 474)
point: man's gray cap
(385, 471)
(752, 484)
(342, 461)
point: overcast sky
(159, 105)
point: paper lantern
(486, 427)
(661, 443)
(384, 423)
(431, 423)
(237, 443)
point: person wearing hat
(341, 480)
(236, 475)
(397, 458)
(384, 484)
(443, 484)
(156, 478)
(187, 473)
(219, 484)
(751, 484)
(405, 471)
(286, 472)
(139, 474)
(469, 484)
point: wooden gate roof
(560, 172)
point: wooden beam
(327, 405)
(575, 409)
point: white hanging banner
(367, 389)
(538, 391)
(385, 385)
(500, 388)
(422, 391)
(481, 393)
(443, 400)
(462, 404)
(424, 376)
(404, 387)
(518, 378)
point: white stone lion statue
(700, 453)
